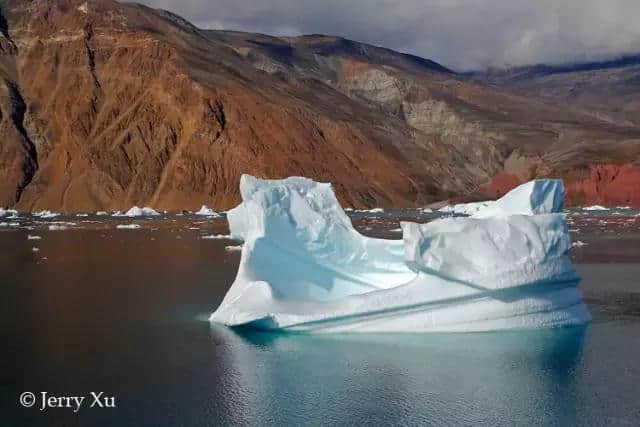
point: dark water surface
(124, 312)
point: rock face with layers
(107, 105)
(304, 268)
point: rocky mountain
(105, 105)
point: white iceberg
(305, 268)
(465, 208)
(217, 237)
(595, 208)
(136, 211)
(128, 226)
(206, 211)
(8, 212)
(46, 214)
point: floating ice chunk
(595, 208)
(32, 237)
(305, 268)
(128, 226)
(217, 236)
(46, 214)
(101, 213)
(8, 212)
(233, 248)
(136, 211)
(57, 227)
(578, 244)
(82, 214)
(34, 249)
(427, 210)
(205, 211)
(374, 210)
(465, 208)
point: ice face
(499, 253)
(533, 198)
(305, 268)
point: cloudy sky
(462, 34)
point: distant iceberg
(136, 212)
(8, 212)
(206, 211)
(305, 268)
(595, 208)
(46, 214)
(465, 208)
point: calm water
(124, 312)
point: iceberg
(46, 214)
(467, 209)
(595, 208)
(8, 212)
(136, 211)
(206, 211)
(128, 226)
(304, 268)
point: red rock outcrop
(607, 185)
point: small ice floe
(217, 236)
(348, 209)
(595, 208)
(233, 248)
(32, 237)
(623, 208)
(57, 227)
(578, 244)
(46, 214)
(374, 210)
(397, 230)
(101, 213)
(34, 249)
(468, 209)
(427, 210)
(206, 211)
(136, 211)
(128, 226)
(193, 228)
(8, 212)
(82, 214)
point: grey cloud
(462, 34)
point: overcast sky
(461, 34)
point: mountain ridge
(127, 105)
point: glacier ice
(595, 208)
(535, 197)
(304, 267)
(206, 211)
(136, 211)
(8, 212)
(465, 208)
(46, 214)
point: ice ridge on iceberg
(305, 268)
